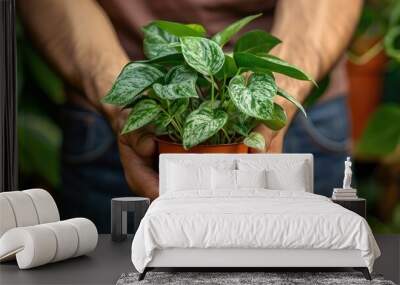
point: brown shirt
(128, 16)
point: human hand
(273, 139)
(137, 152)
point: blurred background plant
(374, 76)
(40, 92)
(374, 81)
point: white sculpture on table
(347, 174)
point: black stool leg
(364, 271)
(143, 274)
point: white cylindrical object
(23, 208)
(33, 246)
(87, 234)
(67, 239)
(7, 218)
(45, 205)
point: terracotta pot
(366, 87)
(165, 146)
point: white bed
(248, 227)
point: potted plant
(199, 98)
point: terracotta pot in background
(165, 146)
(366, 87)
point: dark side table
(119, 215)
(358, 206)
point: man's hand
(314, 35)
(137, 152)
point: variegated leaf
(202, 124)
(133, 80)
(161, 123)
(202, 54)
(254, 96)
(157, 42)
(180, 73)
(287, 96)
(179, 106)
(255, 140)
(181, 83)
(278, 119)
(141, 114)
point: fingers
(273, 140)
(268, 135)
(137, 153)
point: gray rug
(243, 278)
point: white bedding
(252, 218)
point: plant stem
(226, 135)
(212, 88)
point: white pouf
(31, 230)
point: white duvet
(250, 219)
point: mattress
(250, 219)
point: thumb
(268, 135)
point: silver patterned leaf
(255, 140)
(202, 124)
(254, 96)
(157, 42)
(133, 80)
(180, 83)
(144, 112)
(202, 54)
(179, 106)
(278, 119)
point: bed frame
(250, 259)
(238, 259)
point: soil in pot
(165, 146)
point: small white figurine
(347, 174)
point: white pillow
(282, 174)
(223, 179)
(182, 178)
(279, 180)
(251, 178)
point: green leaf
(203, 55)
(181, 83)
(173, 58)
(391, 42)
(278, 119)
(202, 124)
(133, 80)
(39, 140)
(256, 41)
(224, 36)
(161, 123)
(290, 98)
(255, 140)
(179, 106)
(269, 63)
(181, 30)
(198, 28)
(254, 97)
(180, 73)
(157, 42)
(382, 134)
(44, 76)
(184, 89)
(142, 114)
(229, 68)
